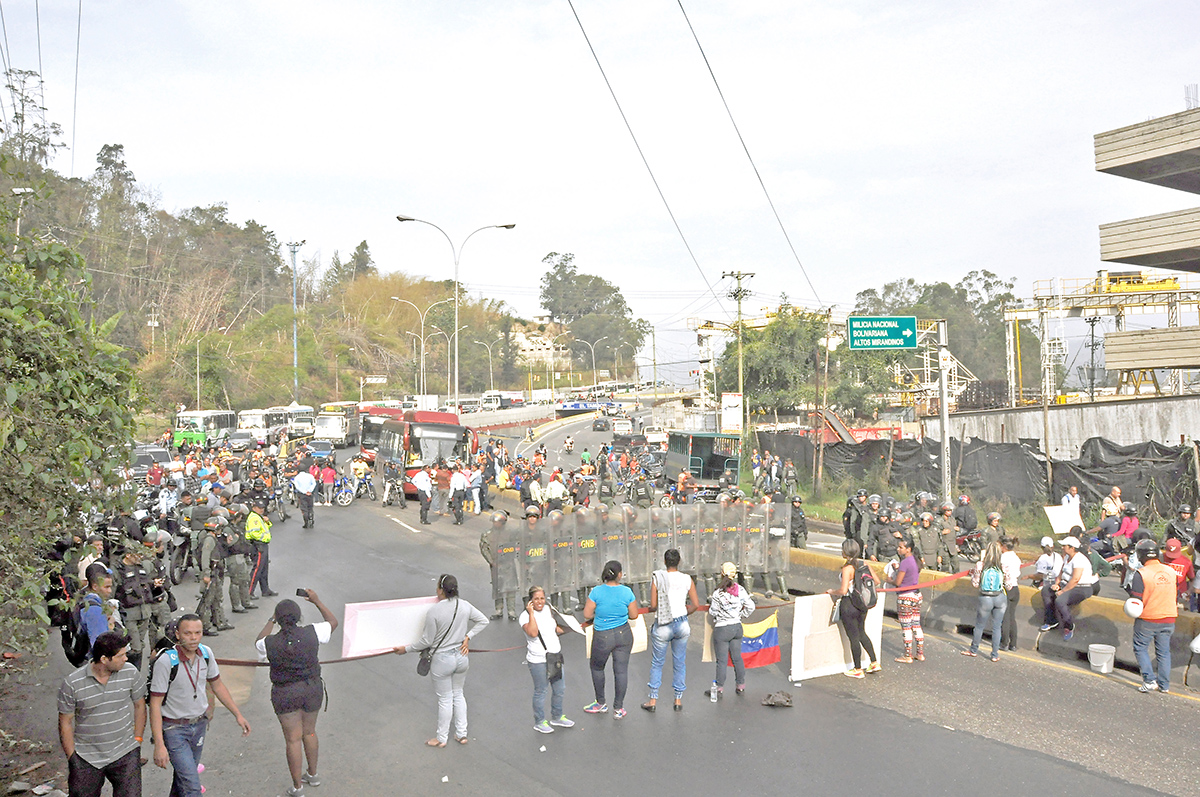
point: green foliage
(65, 421)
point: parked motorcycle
(366, 487)
(343, 491)
(278, 505)
(970, 543)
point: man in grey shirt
(101, 716)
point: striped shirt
(103, 712)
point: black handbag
(554, 661)
(425, 660)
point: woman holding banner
(610, 605)
(853, 620)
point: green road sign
(881, 332)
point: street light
(592, 346)
(457, 254)
(422, 316)
(451, 341)
(550, 361)
(488, 346)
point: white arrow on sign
(375, 380)
(907, 332)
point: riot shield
(612, 537)
(779, 547)
(662, 535)
(637, 541)
(561, 535)
(732, 522)
(507, 559)
(754, 539)
(684, 519)
(589, 555)
(708, 538)
(536, 568)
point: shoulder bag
(426, 659)
(554, 661)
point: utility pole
(739, 293)
(1091, 322)
(654, 355)
(295, 349)
(824, 403)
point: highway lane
(955, 724)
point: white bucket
(1101, 657)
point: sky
(898, 139)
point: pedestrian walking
(729, 604)
(101, 719)
(422, 480)
(672, 600)
(544, 657)
(179, 705)
(304, 485)
(610, 605)
(988, 577)
(449, 626)
(1154, 585)
(296, 685)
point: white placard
(1063, 518)
(379, 626)
(821, 648)
(638, 627)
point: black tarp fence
(1155, 477)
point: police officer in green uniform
(237, 563)
(162, 600)
(948, 539)
(928, 541)
(133, 585)
(212, 574)
(641, 493)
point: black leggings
(855, 623)
(618, 643)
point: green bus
(204, 427)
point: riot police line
(565, 552)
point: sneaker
(563, 722)
(294, 792)
(1070, 632)
(1164, 690)
(311, 780)
(875, 667)
(1150, 687)
(543, 727)
(619, 714)
(855, 672)
(1048, 626)
(596, 708)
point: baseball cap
(1047, 541)
(1072, 541)
(1173, 545)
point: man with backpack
(94, 614)
(179, 705)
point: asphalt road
(951, 725)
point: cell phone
(303, 593)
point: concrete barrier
(951, 608)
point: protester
(854, 620)
(1174, 557)
(610, 605)
(449, 626)
(672, 599)
(101, 719)
(1010, 563)
(729, 604)
(1074, 586)
(1154, 585)
(296, 684)
(542, 646)
(179, 706)
(908, 602)
(988, 577)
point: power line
(748, 157)
(642, 155)
(37, 14)
(75, 100)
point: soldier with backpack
(988, 577)
(858, 595)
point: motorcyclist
(569, 444)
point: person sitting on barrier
(988, 577)
(1074, 585)
(852, 618)
(729, 605)
(611, 605)
(908, 603)
(1047, 568)
(672, 600)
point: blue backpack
(991, 582)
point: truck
(501, 399)
(338, 428)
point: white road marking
(405, 525)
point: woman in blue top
(610, 606)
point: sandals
(904, 660)
(969, 653)
(461, 739)
(434, 743)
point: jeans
(990, 607)
(449, 674)
(675, 634)
(1064, 602)
(85, 780)
(538, 670)
(1145, 632)
(1008, 629)
(184, 745)
(727, 644)
(618, 643)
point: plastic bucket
(1101, 657)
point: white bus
(263, 424)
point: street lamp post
(295, 349)
(488, 346)
(550, 362)
(451, 344)
(457, 254)
(422, 336)
(592, 346)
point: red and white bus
(420, 438)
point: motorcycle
(343, 491)
(278, 505)
(366, 487)
(569, 446)
(393, 490)
(970, 543)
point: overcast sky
(897, 139)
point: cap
(729, 569)
(1072, 541)
(1047, 542)
(1173, 545)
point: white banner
(731, 413)
(1063, 518)
(379, 626)
(820, 647)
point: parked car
(323, 449)
(241, 441)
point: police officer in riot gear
(1182, 527)
(641, 492)
(797, 523)
(133, 589)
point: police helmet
(861, 492)
(927, 516)
(795, 499)
(874, 499)
(1147, 549)
(260, 503)
(947, 507)
(906, 517)
(884, 516)
(499, 518)
(1184, 509)
(260, 485)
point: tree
(65, 422)
(30, 139)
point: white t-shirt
(1010, 564)
(535, 653)
(1084, 565)
(324, 632)
(678, 587)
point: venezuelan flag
(760, 642)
